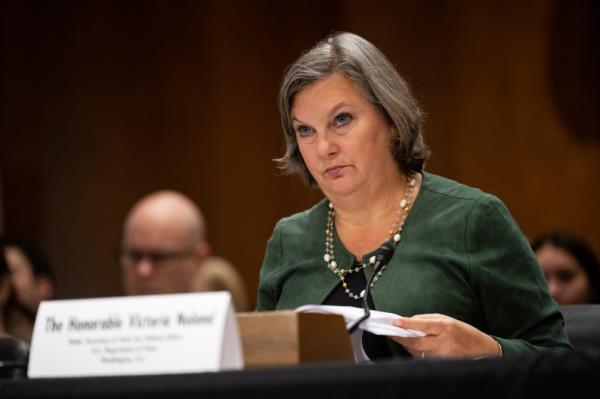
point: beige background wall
(103, 102)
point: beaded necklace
(394, 232)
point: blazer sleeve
(518, 309)
(268, 283)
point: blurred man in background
(164, 250)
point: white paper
(360, 356)
(379, 323)
(154, 334)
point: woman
(570, 267)
(461, 268)
(32, 281)
(13, 351)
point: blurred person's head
(570, 267)
(218, 274)
(31, 276)
(163, 244)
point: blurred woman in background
(570, 267)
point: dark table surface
(547, 374)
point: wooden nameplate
(283, 338)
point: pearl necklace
(394, 232)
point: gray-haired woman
(462, 270)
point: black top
(375, 346)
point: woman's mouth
(335, 171)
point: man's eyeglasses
(158, 258)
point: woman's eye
(565, 276)
(343, 119)
(304, 131)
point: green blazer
(461, 254)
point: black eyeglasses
(132, 257)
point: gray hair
(367, 67)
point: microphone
(382, 256)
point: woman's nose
(327, 145)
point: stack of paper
(379, 323)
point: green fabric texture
(461, 254)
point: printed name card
(156, 334)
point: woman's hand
(446, 337)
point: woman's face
(568, 282)
(343, 139)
